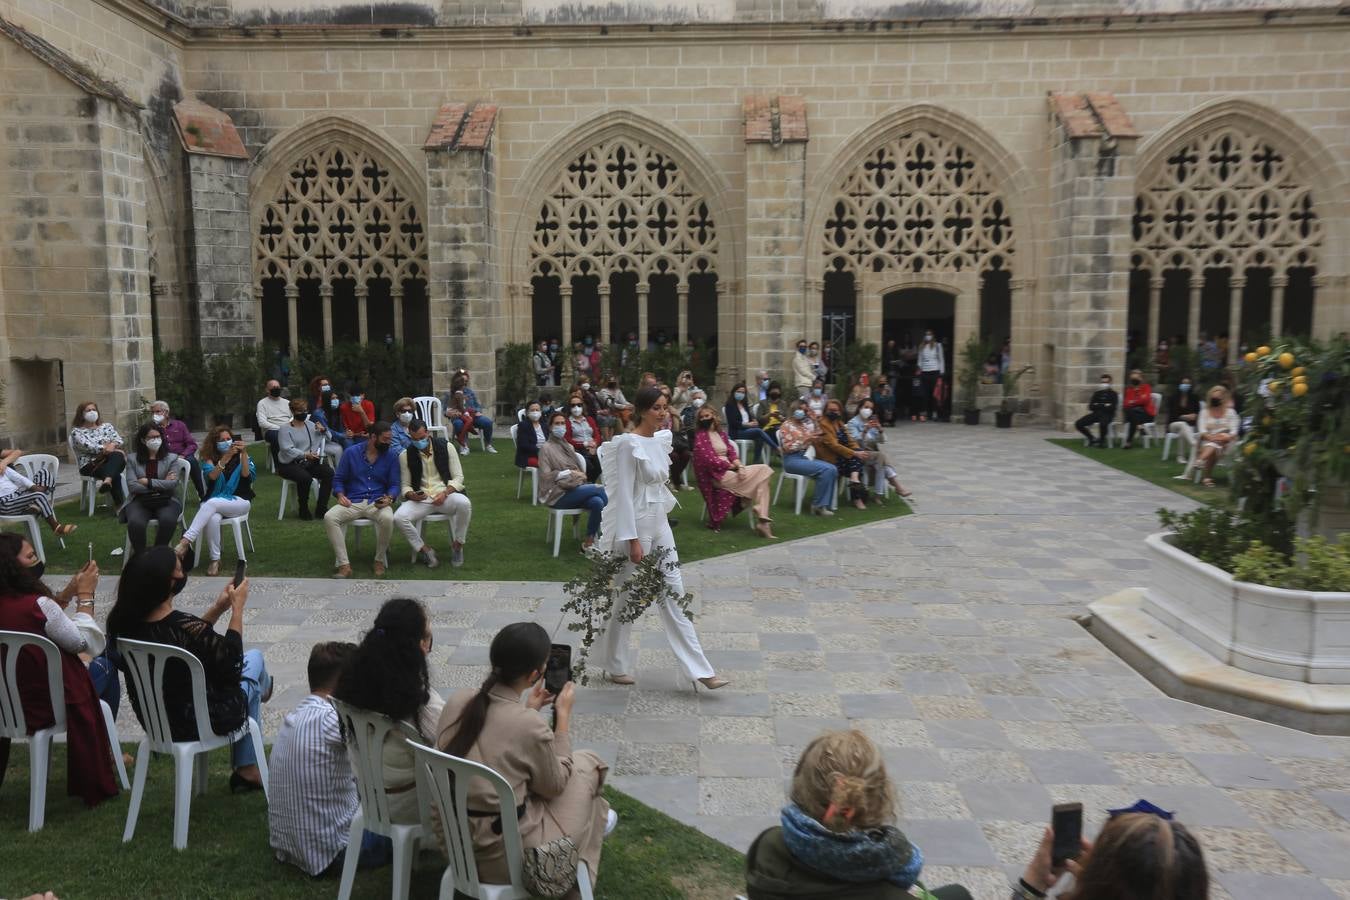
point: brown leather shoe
(343, 572)
(379, 568)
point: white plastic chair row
(14, 726)
(1116, 433)
(30, 465)
(553, 531)
(520, 474)
(429, 411)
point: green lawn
(506, 537)
(80, 854)
(1148, 465)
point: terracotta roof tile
(462, 126)
(206, 130)
(775, 120)
(1093, 114)
(1112, 115)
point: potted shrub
(973, 355)
(1008, 405)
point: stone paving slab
(947, 636)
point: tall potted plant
(1008, 405)
(973, 355)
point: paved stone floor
(949, 637)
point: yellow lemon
(1263, 351)
(1249, 449)
(1300, 389)
(1299, 371)
(1250, 357)
(1287, 360)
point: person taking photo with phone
(229, 477)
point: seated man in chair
(366, 485)
(432, 482)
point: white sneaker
(611, 822)
(491, 449)
(463, 450)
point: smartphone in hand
(1066, 820)
(558, 671)
(239, 569)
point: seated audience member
(837, 836)
(596, 409)
(152, 480)
(99, 450)
(432, 482)
(560, 789)
(798, 433)
(1216, 432)
(28, 605)
(178, 438)
(355, 415)
(300, 459)
(20, 496)
(389, 675)
(581, 362)
(681, 446)
(698, 398)
(883, 396)
(530, 436)
(865, 429)
(1138, 405)
(611, 395)
(815, 398)
(457, 414)
(584, 435)
(478, 421)
(858, 390)
(274, 413)
(679, 400)
(325, 411)
(311, 789)
(838, 447)
(724, 480)
(562, 483)
(762, 382)
(770, 412)
(404, 412)
(742, 426)
(583, 390)
(237, 683)
(1101, 411)
(229, 477)
(366, 485)
(1183, 414)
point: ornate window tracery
(623, 206)
(918, 202)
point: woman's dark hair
(518, 649)
(138, 446)
(644, 400)
(147, 580)
(557, 414)
(738, 386)
(208, 449)
(866, 401)
(79, 414)
(1143, 855)
(314, 384)
(388, 674)
(17, 580)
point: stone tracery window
(918, 202)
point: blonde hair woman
(1216, 431)
(838, 838)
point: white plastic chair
(183, 469)
(286, 489)
(799, 482)
(1118, 430)
(30, 465)
(433, 518)
(553, 531)
(147, 664)
(240, 525)
(365, 733)
(444, 781)
(358, 524)
(520, 476)
(14, 727)
(30, 521)
(88, 483)
(429, 411)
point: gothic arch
(171, 325)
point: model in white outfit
(635, 469)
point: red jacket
(1141, 396)
(351, 419)
(576, 444)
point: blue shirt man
(365, 486)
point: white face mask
(698, 401)
(405, 417)
(91, 416)
(559, 431)
(153, 445)
(159, 418)
(576, 410)
(865, 413)
(534, 415)
(585, 385)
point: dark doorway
(911, 312)
(545, 308)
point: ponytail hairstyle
(843, 770)
(388, 673)
(518, 649)
(643, 401)
(1142, 855)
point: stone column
(604, 336)
(1235, 286)
(565, 297)
(1278, 284)
(293, 316)
(1155, 286)
(644, 291)
(775, 240)
(682, 316)
(396, 298)
(1092, 195)
(218, 238)
(1196, 289)
(326, 301)
(464, 286)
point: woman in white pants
(635, 468)
(226, 468)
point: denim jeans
(254, 681)
(590, 497)
(761, 438)
(107, 684)
(824, 473)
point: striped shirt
(312, 790)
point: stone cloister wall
(684, 87)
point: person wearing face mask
(356, 414)
(596, 409)
(611, 395)
(837, 446)
(432, 482)
(530, 436)
(178, 438)
(325, 406)
(798, 433)
(559, 789)
(679, 399)
(559, 361)
(743, 426)
(584, 435)
(274, 413)
(365, 485)
(300, 459)
(724, 480)
(1138, 405)
(229, 478)
(563, 483)
(456, 413)
(770, 411)
(27, 605)
(1216, 432)
(404, 412)
(815, 398)
(1183, 413)
(98, 450)
(803, 373)
(762, 381)
(477, 421)
(152, 480)
(932, 363)
(21, 496)
(1101, 412)
(883, 398)
(865, 429)
(542, 365)
(237, 683)
(817, 364)
(581, 362)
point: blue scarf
(859, 857)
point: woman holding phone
(635, 522)
(229, 474)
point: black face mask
(1135, 380)
(381, 448)
(37, 569)
(300, 417)
(774, 395)
(832, 415)
(1216, 401)
(178, 585)
(705, 423)
(275, 392)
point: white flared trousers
(615, 655)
